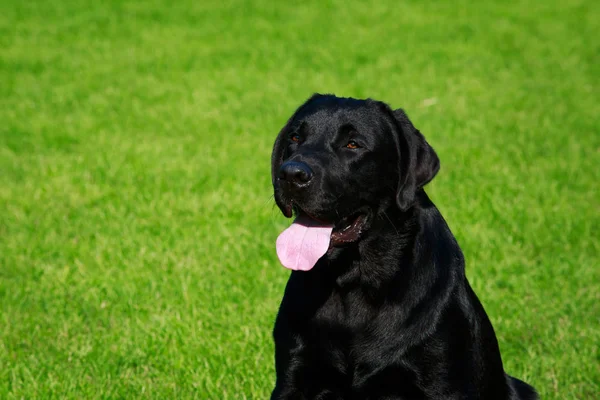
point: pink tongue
(301, 245)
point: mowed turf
(137, 227)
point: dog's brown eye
(352, 145)
(295, 138)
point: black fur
(390, 315)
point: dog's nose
(295, 172)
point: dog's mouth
(301, 245)
(348, 230)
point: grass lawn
(137, 227)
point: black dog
(386, 312)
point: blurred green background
(137, 226)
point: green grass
(137, 227)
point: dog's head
(340, 161)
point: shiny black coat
(390, 315)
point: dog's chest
(345, 311)
(338, 331)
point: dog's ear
(278, 154)
(418, 162)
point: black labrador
(378, 305)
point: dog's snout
(295, 172)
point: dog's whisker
(391, 222)
(269, 199)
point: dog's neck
(395, 243)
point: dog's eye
(352, 145)
(295, 138)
